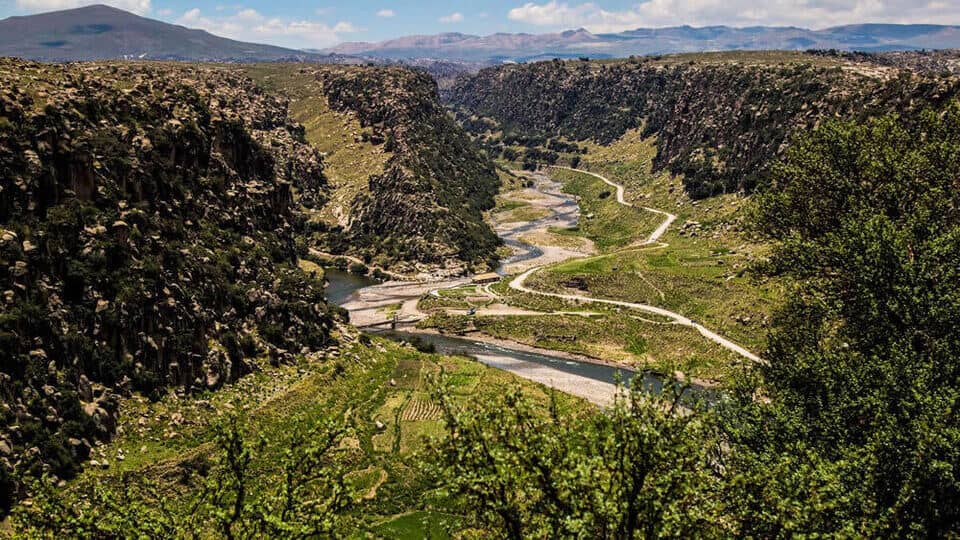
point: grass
(697, 282)
(703, 273)
(555, 237)
(505, 204)
(523, 214)
(383, 382)
(349, 162)
(608, 224)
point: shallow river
(529, 364)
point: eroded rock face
(719, 124)
(427, 206)
(148, 241)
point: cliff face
(427, 204)
(147, 241)
(718, 123)
(408, 187)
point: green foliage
(640, 470)
(427, 205)
(310, 501)
(720, 124)
(152, 233)
(863, 358)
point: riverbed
(367, 301)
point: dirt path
(518, 283)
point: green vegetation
(700, 283)
(704, 273)
(299, 450)
(864, 355)
(171, 369)
(604, 221)
(637, 471)
(721, 119)
(849, 431)
(350, 157)
(408, 186)
(522, 214)
(150, 247)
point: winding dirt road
(518, 283)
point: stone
(85, 388)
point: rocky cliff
(719, 120)
(148, 218)
(409, 186)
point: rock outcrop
(148, 223)
(427, 205)
(719, 123)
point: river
(592, 381)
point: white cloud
(387, 13)
(807, 13)
(251, 25)
(140, 7)
(452, 18)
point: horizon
(294, 26)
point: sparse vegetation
(392, 153)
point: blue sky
(300, 24)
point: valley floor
(645, 278)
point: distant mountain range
(101, 32)
(646, 41)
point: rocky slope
(719, 119)
(935, 61)
(409, 186)
(148, 225)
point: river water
(343, 285)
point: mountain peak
(101, 32)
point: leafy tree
(643, 469)
(863, 358)
(311, 499)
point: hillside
(103, 33)
(149, 220)
(719, 119)
(408, 187)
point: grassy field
(608, 224)
(522, 214)
(383, 390)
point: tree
(640, 470)
(310, 500)
(863, 358)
